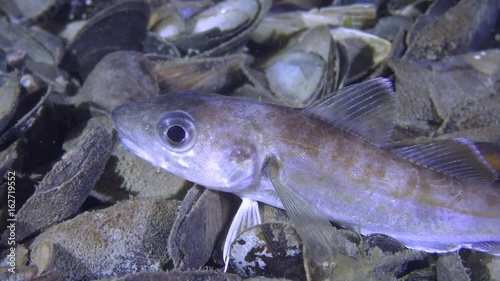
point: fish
(329, 162)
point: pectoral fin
(312, 226)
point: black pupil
(176, 133)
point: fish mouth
(134, 148)
(121, 118)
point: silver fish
(327, 162)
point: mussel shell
(116, 79)
(24, 10)
(39, 46)
(365, 51)
(23, 124)
(199, 74)
(271, 250)
(383, 242)
(63, 190)
(310, 67)
(203, 212)
(35, 50)
(297, 4)
(157, 48)
(167, 22)
(214, 41)
(296, 77)
(281, 26)
(119, 27)
(9, 92)
(7, 157)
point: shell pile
(75, 205)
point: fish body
(226, 144)
(374, 190)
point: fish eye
(176, 129)
(176, 133)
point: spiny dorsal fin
(365, 109)
(456, 157)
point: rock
(450, 268)
(459, 30)
(128, 237)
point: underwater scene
(250, 140)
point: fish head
(189, 135)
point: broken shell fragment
(486, 62)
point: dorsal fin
(455, 157)
(365, 109)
